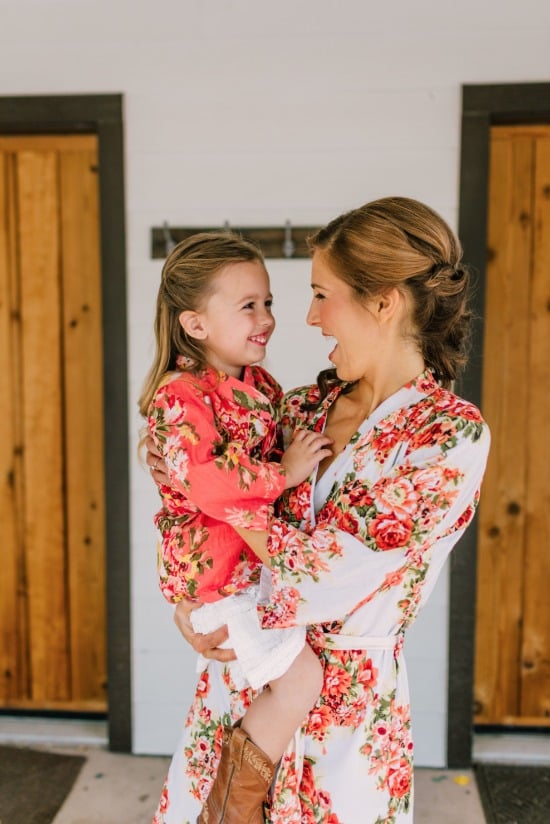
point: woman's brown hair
(400, 242)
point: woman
(356, 549)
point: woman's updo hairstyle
(400, 242)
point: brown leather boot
(241, 784)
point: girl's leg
(251, 750)
(278, 711)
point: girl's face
(338, 314)
(236, 322)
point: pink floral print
(219, 438)
(356, 572)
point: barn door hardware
(286, 241)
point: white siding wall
(258, 112)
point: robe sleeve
(371, 533)
(215, 475)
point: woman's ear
(192, 324)
(388, 303)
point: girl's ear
(192, 324)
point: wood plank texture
(52, 507)
(13, 658)
(513, 610)
(503, 502)
(42, 424)
(48, 142)
(535, 653)
(83, 394)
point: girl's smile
(236, 321)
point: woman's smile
(333, 351)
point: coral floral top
(218, 436)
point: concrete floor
(124, 789)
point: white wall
(258, 112)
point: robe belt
(341, 641)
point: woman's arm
(370, 535)
(207, 645)
(155, 462)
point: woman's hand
(155, 462)
(207, 645)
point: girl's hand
(207, 645)
(155, 462)
(303, 455)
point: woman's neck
(372, 390)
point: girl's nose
(267, 320)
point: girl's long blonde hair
(187, 279)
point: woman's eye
(318, 296)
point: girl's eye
(268, 304)
(318, 296)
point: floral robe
(354, 557)
(218, 436)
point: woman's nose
(311, 317)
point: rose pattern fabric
(355, 569)
(219, 438)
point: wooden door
(512, 665)
(52, 520)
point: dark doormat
(514, 795)
(34, 784)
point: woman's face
(340, 315)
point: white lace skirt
(262, 654)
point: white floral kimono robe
(354, 557)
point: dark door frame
(102, 115)
(482, 107)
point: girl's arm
(293, 462)
(257, 541)
(218, 477)
(221, 478)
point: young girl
(212, 415)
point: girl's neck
(236, 372)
